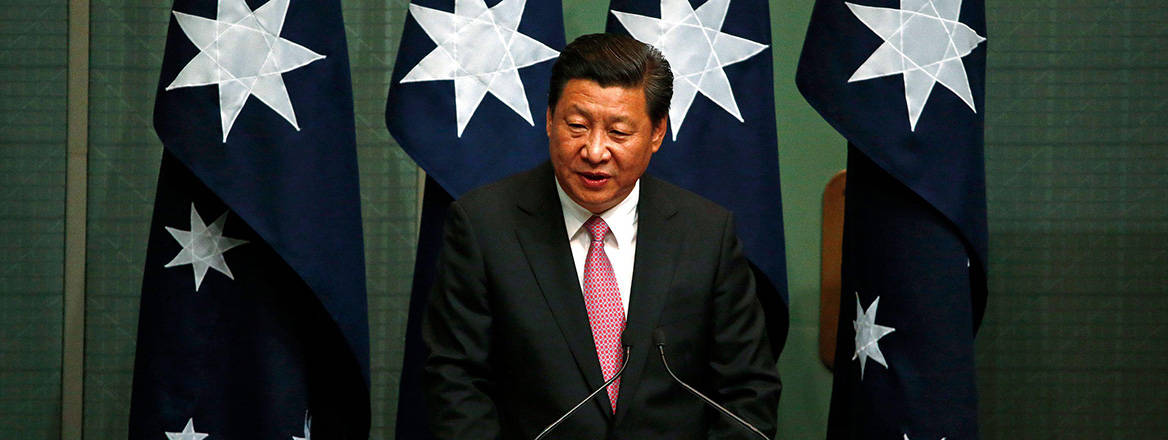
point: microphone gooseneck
(659, 341)
(556, 423)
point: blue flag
(467, 103)
(721, 142)
(253, 319)
(904, 82)
(468, 94)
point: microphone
(628, 347)
(659, 341)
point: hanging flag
(721, 142)
(253, 313)
(467, 103)
(903, 81)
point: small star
(188, 433)
(923, 41)
(480, 49)
(203, 246)
(697, 50)
(308, 428)
(241, 51)
(867, 333)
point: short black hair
(615, 60)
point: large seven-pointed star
(697, 50)
(241, 51)
(868, 333)
(923, 41)
(203, 246)
(188, 433)
(480, 49)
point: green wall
(1075, 344)
(32, 214)
(810, 153)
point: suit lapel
(544, 241)
(655, 260)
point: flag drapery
(466, 102)
(903, 81)
(253, 319)
(722, 141)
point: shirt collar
(621, 219)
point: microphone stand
(659, 340)
(590, 396)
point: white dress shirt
(620, 245)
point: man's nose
(596, 150)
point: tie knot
(597, 228)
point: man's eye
(617, 133)
(575, 126)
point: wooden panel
(831, 257)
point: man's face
(600, 142)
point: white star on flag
(203, 246)
(308, 429)
(697, 50)
(188, 433)
(867, 333)
(923, 41)
(241, 51)
(480, 49)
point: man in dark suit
(543, 272)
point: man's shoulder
(528, 185)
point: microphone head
(659, 337)
(626, 342)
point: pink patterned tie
(603, 299)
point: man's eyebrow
(611, 120)
(581, 111)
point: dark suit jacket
(510, 344)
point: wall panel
(33, 76)
(1074, 343)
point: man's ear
(547, 122)
(659, 130)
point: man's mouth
(594, 180)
